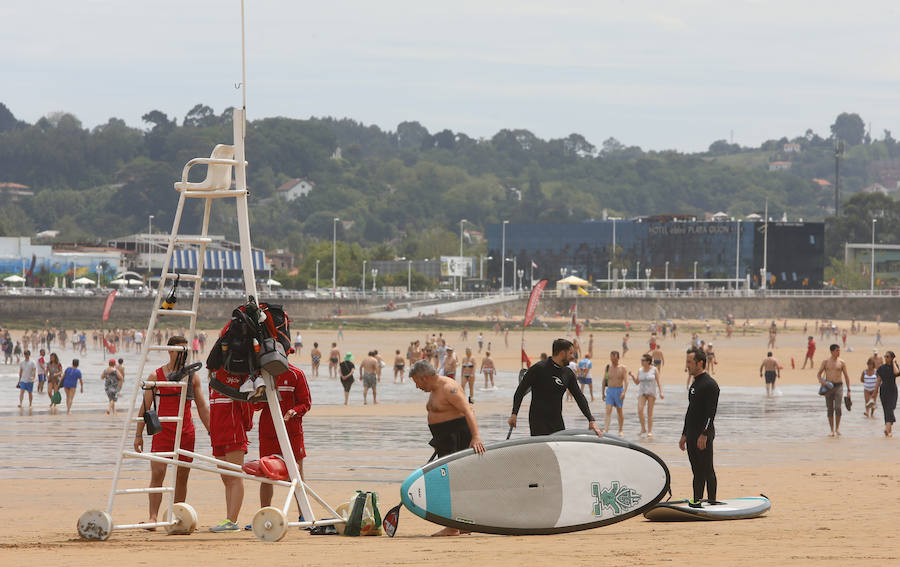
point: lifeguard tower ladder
(269, 523)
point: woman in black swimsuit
(886, 384)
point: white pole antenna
(243, 65)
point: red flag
(536, 292)
(108, 305)
(525, 358)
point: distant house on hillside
(823, 183)
(293, 188)
(876, 188)
(779, 166)
(14, 191)
(282, 260)
(792, 148)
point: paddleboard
(538, 485)
(731, 509)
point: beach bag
(245, 345)
(364, 518)
(233, 350)
(825, 387)
(56, 398)
(151, 419)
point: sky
(673, 74)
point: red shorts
(222, 450)
(164, 442)
(269, 446)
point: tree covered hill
(399, 192)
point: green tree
(849, 127)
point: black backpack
(233, 350)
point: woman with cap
(346, 368)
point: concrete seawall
(21, 312)
(641, 308)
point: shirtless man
(614, 388)
(488, 369)
(450, 363)
(450, 417)
(772, 370)
(368, 374)
(468, 374)
(399, 365)
(315, 358)
(656, 354)
(832, 368)
(334, 358)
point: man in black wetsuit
(699, 431)
(548, 380)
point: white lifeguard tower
(225, 164)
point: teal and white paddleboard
(538, 485)
(731, 509)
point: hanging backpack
(234, 350)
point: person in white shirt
(27, 376)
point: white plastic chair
(218, 171)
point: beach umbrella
(120, 281)
(14, 279)
(273, 283)
(84, 281)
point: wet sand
(832, 498)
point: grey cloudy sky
(658, 74)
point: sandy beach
(831, 497)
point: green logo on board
(618, 498)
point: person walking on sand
(112, 384)
(771, 370)
(548, 380)
(467, 371)
(810, 352)
(869, 379)
(27, 376)
(584, 374)
(451, 418)
(614, 389)
(399, 366)
(886, 385)
(488, 370)
(334, 358)
(699, 431)
(71, 379)
(346, 371)
(368, 375)
(649, 386)
(829, 375)
(315, 358)
(54, 375)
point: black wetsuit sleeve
(526, 383)
(572, 385)
(710, 405)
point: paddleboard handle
(509, 433)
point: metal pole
(364, 278)
(408, 276)
(461, 221)
(667, 274)
(765, 274)
(334, 256)
(737, 255)
(609, 275)
(149, 238)
(515, 270)
(872, 269)
(503, 259)
(317, 278)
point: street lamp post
(374, 276)
(408, 276)
(637, 272)
(647, 273)
(624, 273)
(667, 274)
(149, 244)
(364, 278)
(317, 278)
(334, 256)
(461, 221)
(520, 273)
(695, 274)
(503, 259)
(872, 268)
(481, 265)
(609, 276)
